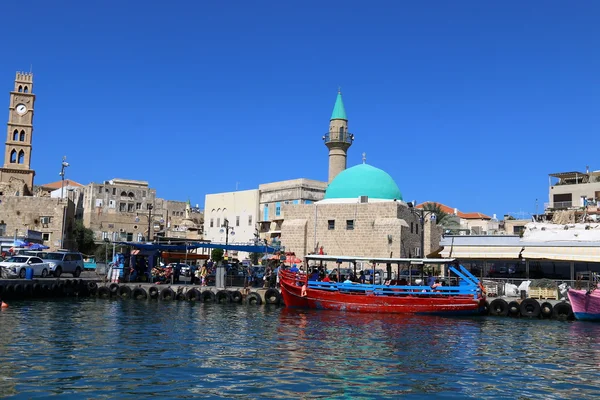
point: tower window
(16, 135)
(20, 88)
(331, 224)
(26, 89)
(21, 157)
(13, 156)
(350, 224)
(22, 138)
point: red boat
(465, 298)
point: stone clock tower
(17, 170)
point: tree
(216, 255)
(102, 251)
(84, 238)
(256, 257)
(441, 217)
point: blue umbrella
(37, 246)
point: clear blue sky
(469, 103)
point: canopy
(197, 245)
(564, 253)
(484, 252)
(37, 246)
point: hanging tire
(18, 290)
(46, 289)
(92, 287)
(139, 293)
(9, 291)
(272, 296)
(167, 294)
(103, 292)
(28, 290)
(223, 297)
(254, 299)
(54, 291)
(37, 289)
(236, 296)
(180, 296)
(125, 292)
(563, 312)
(499, 308)
(68, 283)
(208, 296)
(514, 309)
(530, 308)
(114, 289)
(153, 292)
(193, 295)
(546, 310)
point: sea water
(95, 348)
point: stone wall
(43, 214)
(378, 229)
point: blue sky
(468, 103)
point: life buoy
(153, 292)
(562, 312)
(193, 295)
(103, 292)
(530, 308)
(254, 299)
(514, 309)
(272, 296)
(208, 296)
(223, 296)
(546, 310)
(139, 293)
(236, 296)
(167, 294)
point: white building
(231, 217)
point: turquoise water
(129, 349)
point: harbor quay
(92, 286)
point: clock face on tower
(21, 109)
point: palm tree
(441, 217)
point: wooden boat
(585, 304)
(466, 298)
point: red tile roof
(58, 184)
(450, 210)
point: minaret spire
(338, 140)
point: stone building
(362, 214)
(272, 196)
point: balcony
(562, 205)
(344, 137)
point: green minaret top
(339, 112)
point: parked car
(69, 262)
(16, 266)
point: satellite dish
(221, 230)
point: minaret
(338, 140)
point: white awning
(570, 253)
(482, 252)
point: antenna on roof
(364, 158)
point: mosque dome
(363, 180)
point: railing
(344, 137)
(560, 205)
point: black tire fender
(92, 286)
(563, 312)
(139, 293)
(103, 292)
(125, 292)
(114, 289)
(208, 296)
(193, 295)
(530, 308)
(499, 308)
(514, 309)
(254, 299)
(223, 296)
(153, 292)
(546, 309)
(180, 296)
(272, 296)
(167, 294)
(236, 296)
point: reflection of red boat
(467, 298)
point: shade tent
(37, 246)
(199, 245)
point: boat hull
(294, 297)
(586, 306)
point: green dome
(363, 180)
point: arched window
(20, 88)
(123, 194)
(21, 157)
(26, 90)
(22, 137)
(16, 135)
(131, 195)
(13, 156)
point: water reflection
(127, 349)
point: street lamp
(421, 214)
(150, 207)
(227, 228)
(64, 165)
